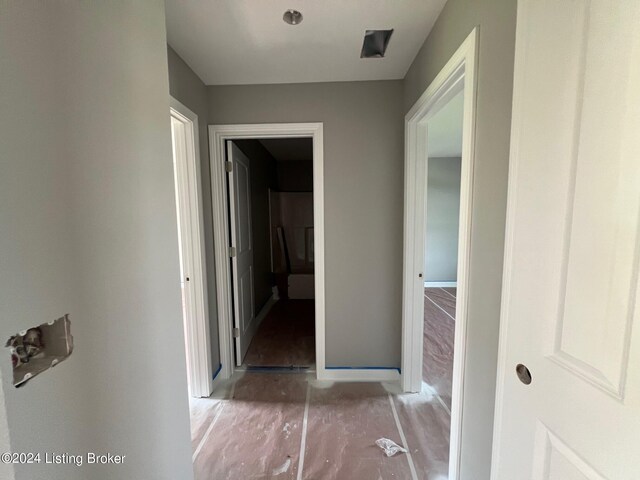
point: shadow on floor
(286, 336)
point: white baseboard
(265, 310)
(440, 284)
(359, 374)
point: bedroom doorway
(269, 231)
(439, 158)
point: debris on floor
(282, 468)
(390, 447)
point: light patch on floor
(282, 468)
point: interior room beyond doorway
(271, 203)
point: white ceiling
(289, 149)
(232, 42)
(444, 131)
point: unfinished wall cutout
(39, 348)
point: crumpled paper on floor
(390, 447)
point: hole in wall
(39, 348)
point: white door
(242, 249)
(571, 312)
(186, 163)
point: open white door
(570, 302)
(186, 162)
(241, 249)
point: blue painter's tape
(217, 371)
(363, 368)
(276, 369)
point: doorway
(271, 225)
(187, 178)
(442, 223)
(292, 282)
(438, 195)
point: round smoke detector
(292, 17)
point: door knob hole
(523, 374)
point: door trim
(188, 183)
(509, 244)
(218, 135)
(459, 74)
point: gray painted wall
(88, 221)
(363, 189)
(6, 469)
(263, 177)
(443, 215)
(88, 215)
(497, 21)
(188, 89)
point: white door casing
(573, 247)
(458, 74)
(242, 247)
(218, 137)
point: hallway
(261, 424)
(286, 337)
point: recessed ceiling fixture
(375, 43)
(292, 17)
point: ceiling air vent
(375, 43)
